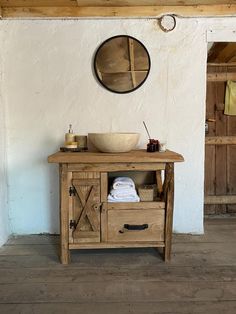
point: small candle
(81, 140)
(162, 146)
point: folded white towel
(123, 190)
(123, 200)
(123, 183)
(128, 193)
(123, 195)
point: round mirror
(122, 64)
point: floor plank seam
(125, 302)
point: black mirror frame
(96, 73)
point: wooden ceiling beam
(232, 63)
(132, 3)
(228, 53)
(233, 59)
(215, 50)
(121, 12)
(110, 3)
(38, 3)
(222, 52)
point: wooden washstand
(88, 221)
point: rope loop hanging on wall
(167, 23)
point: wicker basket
(146, 193)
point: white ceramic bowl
(114, 142)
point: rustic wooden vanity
(89, 221)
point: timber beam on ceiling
(56, 12)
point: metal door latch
(72, 224)
(207, 124)
(72, 191)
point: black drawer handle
(134, 227)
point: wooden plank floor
(200, 279)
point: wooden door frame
(217, 36)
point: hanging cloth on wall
(230, 98)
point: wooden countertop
(140, 156)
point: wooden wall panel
(231, 180)
(210, 170)
(220, 161)
(231, 176)
(231, 169)
(210, 149)
(209, 177)
(231, 125)
(219, 103)
(221, 150)
(210, 107)
(221, 179)
(231, 161)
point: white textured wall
(4, 221)
(49, 83)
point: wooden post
(132, 61)
(104, 193)
(159, 183)
(64, 214)
(70, 207)
(169, 201)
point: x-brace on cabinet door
(85, 207)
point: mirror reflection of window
(122, 64)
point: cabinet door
(85, 207)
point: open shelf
(140, 179)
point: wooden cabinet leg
(65, 255)
(167, 253)
(169, 200)
(64, 215)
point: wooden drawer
(133, 225)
